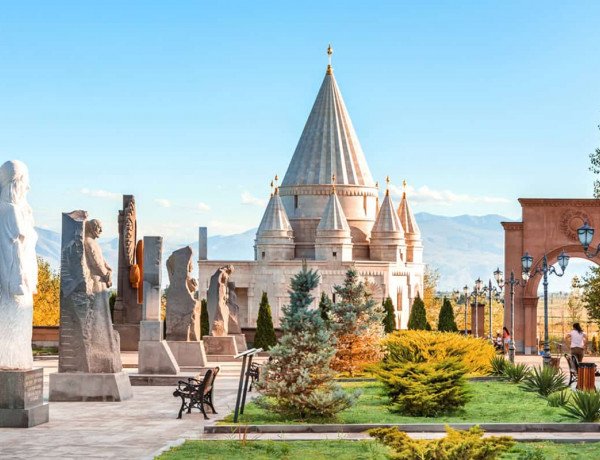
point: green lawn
(491, 402)
(352, 450)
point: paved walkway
(133, 429)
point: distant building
(327, 212)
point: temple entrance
(548, 227)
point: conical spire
(275, 221)
(333, 216)
(409, 223)
(387, 219)
(328, 145)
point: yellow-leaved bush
(431, 346)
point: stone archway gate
(548, 226)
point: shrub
(584, 406)
(544, 380)
(498, 364)
(559, 398)
(389, 320)
(425, 346)
(298, 380)
(417, 320)
(356, 322)
(456, 445)
(204, 324)
(424, 389)
(446, 321)
(515, 373)
(265, 337)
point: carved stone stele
(88, 342)
(183, 311)
(234, 309)
(218, 311)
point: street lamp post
(544, 270)
(491, 290)
(466, 293)
(512, 282)
(476, 291)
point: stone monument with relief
(89, 365)
(225, 334)
(21, 386)
(128, 305)
(154, 355)
(183, 311)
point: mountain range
(461, 248)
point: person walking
(577, 341)
(506, 339)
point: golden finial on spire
(272, 186)
(404, 188)
(387, 185)
(329, 53)
(276, 181)
(333, 183)
(377, 185)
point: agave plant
(584, 406)
(559, 398)
(544, 380)
(498, 364)
(515, 373)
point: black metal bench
(573, 367)
(196, 392)
(254, 373)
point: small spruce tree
(446, 322)
(298, 380)
(325, 308)
(204, 325)
(357, 323)
(418, 317)
(389, 320)
(265, 333)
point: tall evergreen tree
(446, 322)
(389, 320)
(265, 333)
(204, 325)
(418, 318)
(357, 322)
(325, 308)
(298, 380)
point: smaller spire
(407, 218)
(329, 53)
(333, 218)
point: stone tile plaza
(200, 259)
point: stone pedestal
(129, 334)
(155, 356)
(188, 354)
(240, 342)
(220, 345)
(22, 399)
(79, 386)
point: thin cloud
(163, 202)
(424, 194)
(203, 207)
(248, 198)
(101, 194)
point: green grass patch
(259, 450)
(354, 450)
(491, 402)
(45, 351)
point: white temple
(327, 212)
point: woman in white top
(577, 340)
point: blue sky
(194, 106)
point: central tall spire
(328, 144)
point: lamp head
(526, 262)
(585, 233)
(563, 260)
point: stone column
(154, 355)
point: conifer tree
(389, 320)
(325, 308)
(265, 333)
(418, 318)
(204, 325)
(298, 380)
(357, 322)
(446, 321)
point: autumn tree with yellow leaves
(46, 303)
